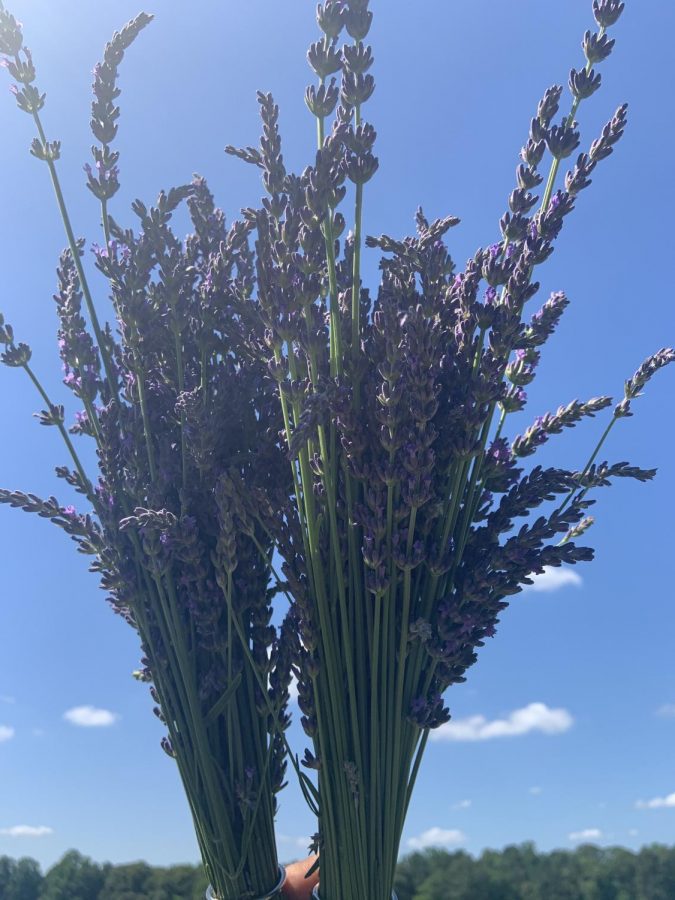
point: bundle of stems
(403, 549)
(397, 518)
(180, 420)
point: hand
(296, 886)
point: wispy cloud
(657, 802)
(463, 804)
(553, 578)
(293, 689)
(6, 733)
(633, 832)
(667, 711)
(587, 834)
(5, 698)
(534, 717)
(90, 717)
(29, 831)
(535, 791)
(302, 842)
(437, 837)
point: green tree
(129, 882)
(74, 877)
(176, 883)
(7, 867)
(25, 881)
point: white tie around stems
(271, 894)
(315, 894)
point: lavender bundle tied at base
(414, 518)
(184, 426)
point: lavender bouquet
(406, 517)
(414, 512)
(183, 422)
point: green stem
(64, 434)
(581, 492)
(72, 243)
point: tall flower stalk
(407, 490)
(184, 426)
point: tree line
(515, 873)
(521, 873)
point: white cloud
(27, 831)
(535, 791)
(463, 804)
(302, 842)
(6, 733)
(90, 717)
(5, 698)
(553, 578)
(633, 832)
(437, 837)
(533, 717)
(293, 689)
(587, 834)
(667, 711)
(657, 802)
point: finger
(296, 886)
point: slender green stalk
(581, 492)
(72, 243)
(63, 431)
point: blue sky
(566, 726)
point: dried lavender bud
(532, 154)
(521, 201)
(583, 83)
(104, 113)
(358, 19)
(546, 425)
(600, 475)
(357, 88)
(603, 146)
(549, 222)
(520, 372)
(310, 761)
(21, 70)
(528, 177)
(607, 12)
(11, 34)
(597, 47)
(28, 99)
(16, 355)
(54, 415)
(49, 150)
(578, 178)
(247, 154)
(274, 171)
(330, 18)
(549, 104)
(634, 386)
(562, 140)
(513, 226)
(579, 529)
(324, 58)
(361, 168)
(358, 58)
(514, 400)
(538, 131)
(360, 139)
(321, 100)
(6, 331)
